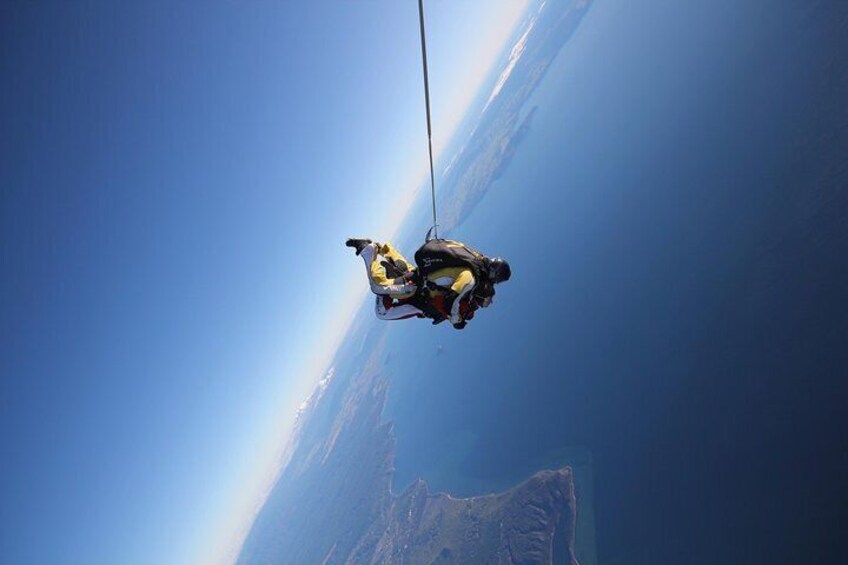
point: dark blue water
(677, 222)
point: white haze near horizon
(474, 69)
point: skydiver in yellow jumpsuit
(391, 279)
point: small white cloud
(514, 55)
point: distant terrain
(333, 502)
(505, 122)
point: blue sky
(177, 181)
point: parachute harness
(435, 227)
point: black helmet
(499, 270)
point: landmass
(517, 526)
(504, 122)
(333, 502)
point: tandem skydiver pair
(450, 281)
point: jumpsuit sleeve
(462, 286)
(381, 284)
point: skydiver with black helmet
(451, 281)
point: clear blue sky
(177, 181)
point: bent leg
(368, 253)
(398, 312)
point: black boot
(358, 244)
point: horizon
(146, 213)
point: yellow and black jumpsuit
(388, 288)
(459, 281)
